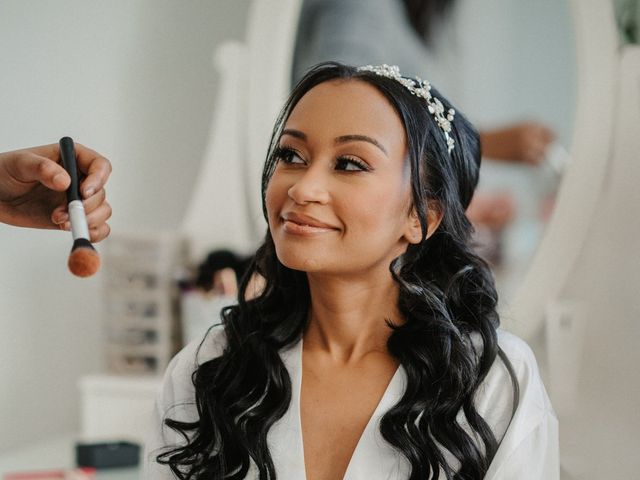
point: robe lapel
(373, 457)
(285, 437)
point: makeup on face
(337, 199)
(302, 224)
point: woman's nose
(310, 187)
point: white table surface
(55, 453)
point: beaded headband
(420, 88)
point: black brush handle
(68, 155)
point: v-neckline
(382, 405)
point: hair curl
(446, 345)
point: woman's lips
(297, 229)
(299, 224)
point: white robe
(528, 444)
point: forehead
(348, 107)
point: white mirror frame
(254, 83)
(597, 59)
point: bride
(373, 349)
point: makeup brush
(84, 260)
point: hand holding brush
(84, 260)
(33, 186)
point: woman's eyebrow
(294, 133)
(361, 138)
(340, 139)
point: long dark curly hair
(446, 345)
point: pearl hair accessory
(420, 88)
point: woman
(373, 350)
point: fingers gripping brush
(84, 260)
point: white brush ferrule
(79, 226)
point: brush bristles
(84, 261)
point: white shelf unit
(141, 301)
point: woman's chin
(302, 263)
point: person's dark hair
(447, 344)
(218, 260)
(425, 15)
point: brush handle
(77, 216)
(68, 155)
(78, 219)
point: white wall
(135, 81)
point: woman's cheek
(277, 199)
(272, 200)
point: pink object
(76, 474)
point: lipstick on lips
(301, 224)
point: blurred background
(180, 96)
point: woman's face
(339, 199)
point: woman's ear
(434, 217)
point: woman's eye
(288, 156)
(351, 165)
